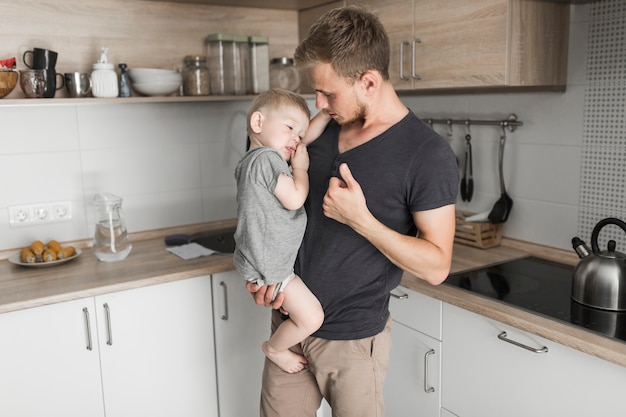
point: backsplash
(173, 163)
(603, 176)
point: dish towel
(190, 251)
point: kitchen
(173, 161)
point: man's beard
(358, 116)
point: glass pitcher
(111, 242)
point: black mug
(51, 83)
(41, 58)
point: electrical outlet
(38, 213)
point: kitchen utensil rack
(511, 123)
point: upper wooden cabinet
(265, 4)
(479, 44)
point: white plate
(15, 259)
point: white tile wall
(173, 163)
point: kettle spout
(580, 247)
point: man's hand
(344, 201)
(263, 295)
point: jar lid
(195, 58)
(282, 61)
(227, 37)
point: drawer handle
(402, 76)
(88, 328)
(427, 389)
(225, 315)
(107, 313)
(503, 336)
(401, 296)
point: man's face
(336, 95)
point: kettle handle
(600, 225)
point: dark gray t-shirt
(268, 235)
(408, 168)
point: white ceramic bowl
(157, 88)
(146, 73)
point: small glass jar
(284, 75)
(196, 76)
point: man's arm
(428, 256)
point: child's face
(281, 129)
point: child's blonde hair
(276, 98)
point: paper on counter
(190, 251)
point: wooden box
(480, 235)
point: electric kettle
(600, 276)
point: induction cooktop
(543, 287)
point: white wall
(173, 163)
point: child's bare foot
(287, 360)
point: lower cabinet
(412, 386)
(49, 363)
(147, 351)
(491, 369)
(240, 328)
(157, 350)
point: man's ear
(370, 81)
(256, 122)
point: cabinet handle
(427, 389)
(415, 76)
(107, 314)
(401, 296)
(88, 328)
(503, 336)
(225, 315)
(402, 76)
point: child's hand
(300, 158)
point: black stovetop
(542, 287)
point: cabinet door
(412, 387)
(483, 375)
(397, 17)
(462, 44)
(240, 328)
(157, 352)
(49, 362)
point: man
(378, 177)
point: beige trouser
(348, 373)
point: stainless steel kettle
(600, 276)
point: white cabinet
(157, 350)
(240, 328)
(484, 375)
(142, 352)
(49, 362)
(412, 387)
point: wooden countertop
(149, 263)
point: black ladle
(502, 208)
(467, 182)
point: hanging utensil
(465, 169)
(467, 182)
(470, 178)
(502, 208)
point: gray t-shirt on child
(268, 235)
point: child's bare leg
(305, 317)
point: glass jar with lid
(196, 76)
(284, 75)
